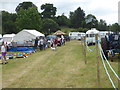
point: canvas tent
(59, 33)
(1, 39)
(27, 35)
(8, 38)
(0, 36)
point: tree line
(27, 16)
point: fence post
(85, 50)
(82, 45)
(98, 61)
(119, 73)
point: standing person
(55, 42)
(36, 43)
(3, 51)
(41, 42)
(44, 43)
(49, 43)
(52, 42)
(7, 48)
(59, 41)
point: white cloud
(102, 9)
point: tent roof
(34, 32)
(26, 35)
(0, 36)
(92, 31)
(59, 33)
(9, 35)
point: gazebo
(59, 33)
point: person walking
(3, 51)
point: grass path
(63, 68)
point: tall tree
(28, 19)
(102, 25)
(25, 5)
(8, 22)
(115, 27)
(91, 21)
(63, 20)
(49, 26)
(49, 11)
(77, 17)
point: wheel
(104, 45)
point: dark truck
(111, 44)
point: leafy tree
(25, 5)
(102, 25)
(63, 20)
(8, 22)
(77, 17)
(48, 11)
(115, 27)
(28, 19)
(91, 21)
(49, 26)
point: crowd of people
(40, 43)
(43, 43)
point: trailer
(90, 36)
(76, 35)
(111, 45)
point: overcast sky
(102, 9)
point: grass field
(63, 68)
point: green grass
(64, 68)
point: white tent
(26, 35)
(1, 39)
(0, 36)
(8, 38)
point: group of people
(43, 43)
(40, 42)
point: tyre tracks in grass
(10, 76)
(51, 69)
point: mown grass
(63, 68)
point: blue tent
(21, 49)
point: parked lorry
(111, 44)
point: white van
(90, 36)
(76, 35)
(104, 33)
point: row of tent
(24, 35)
